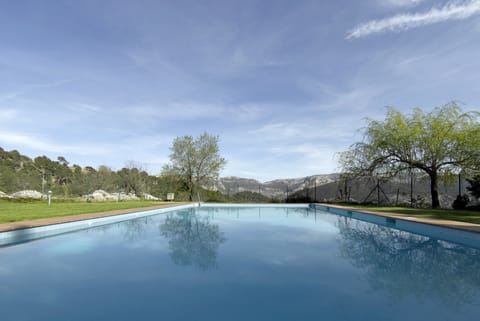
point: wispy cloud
(399, 3)
(8, 115)
(15, 94)
(298, 131)
(312, 157)
(451, 11)
(194, 110)
(49, 84)
(152, 152)
(20, 140)
(82, 107)
(174, 110)
(9, 96)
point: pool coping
(457, 225)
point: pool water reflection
(240, 264)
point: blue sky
(285, 84)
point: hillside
(274, 189)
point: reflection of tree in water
(134, 229)
(408, 265)
(193, 239)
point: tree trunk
(190, 188)
(434, 189)
(190, 197)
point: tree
(133, 178)
(63, 174)
(439, 143)
(195, 160)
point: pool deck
(470, 227)
(5, 227)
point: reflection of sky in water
(239, 264)
(73, 247)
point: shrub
(461, 202)
(474, 187)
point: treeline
(19, 172)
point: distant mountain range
(276, 189)
(332, 188)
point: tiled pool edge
(456, 234)
(32, 233)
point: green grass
(445, 214)
(14, 211)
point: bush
(461, 202)
(474, 187)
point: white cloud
(308, 158)
(356, 100)
(10, 95)
(19, 140)
(281, 150)
(451, 11)
(49, 84)
(301, 131)
(8, 115)
(25, 89)
(399, 3)
(281, 131)
(192, 110)
(150, 151)
(249, 112)
(82, 107)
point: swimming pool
(243, 263)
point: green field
(14, 211)
(444, 214)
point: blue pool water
(214, 263)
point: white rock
(4, 195)
(27, 194)
(101, 195)
(149, 197)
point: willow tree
(439, 143)
(196, 161)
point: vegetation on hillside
(19, 172)
(194, 163)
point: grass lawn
(445, 214)
(14, 211)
